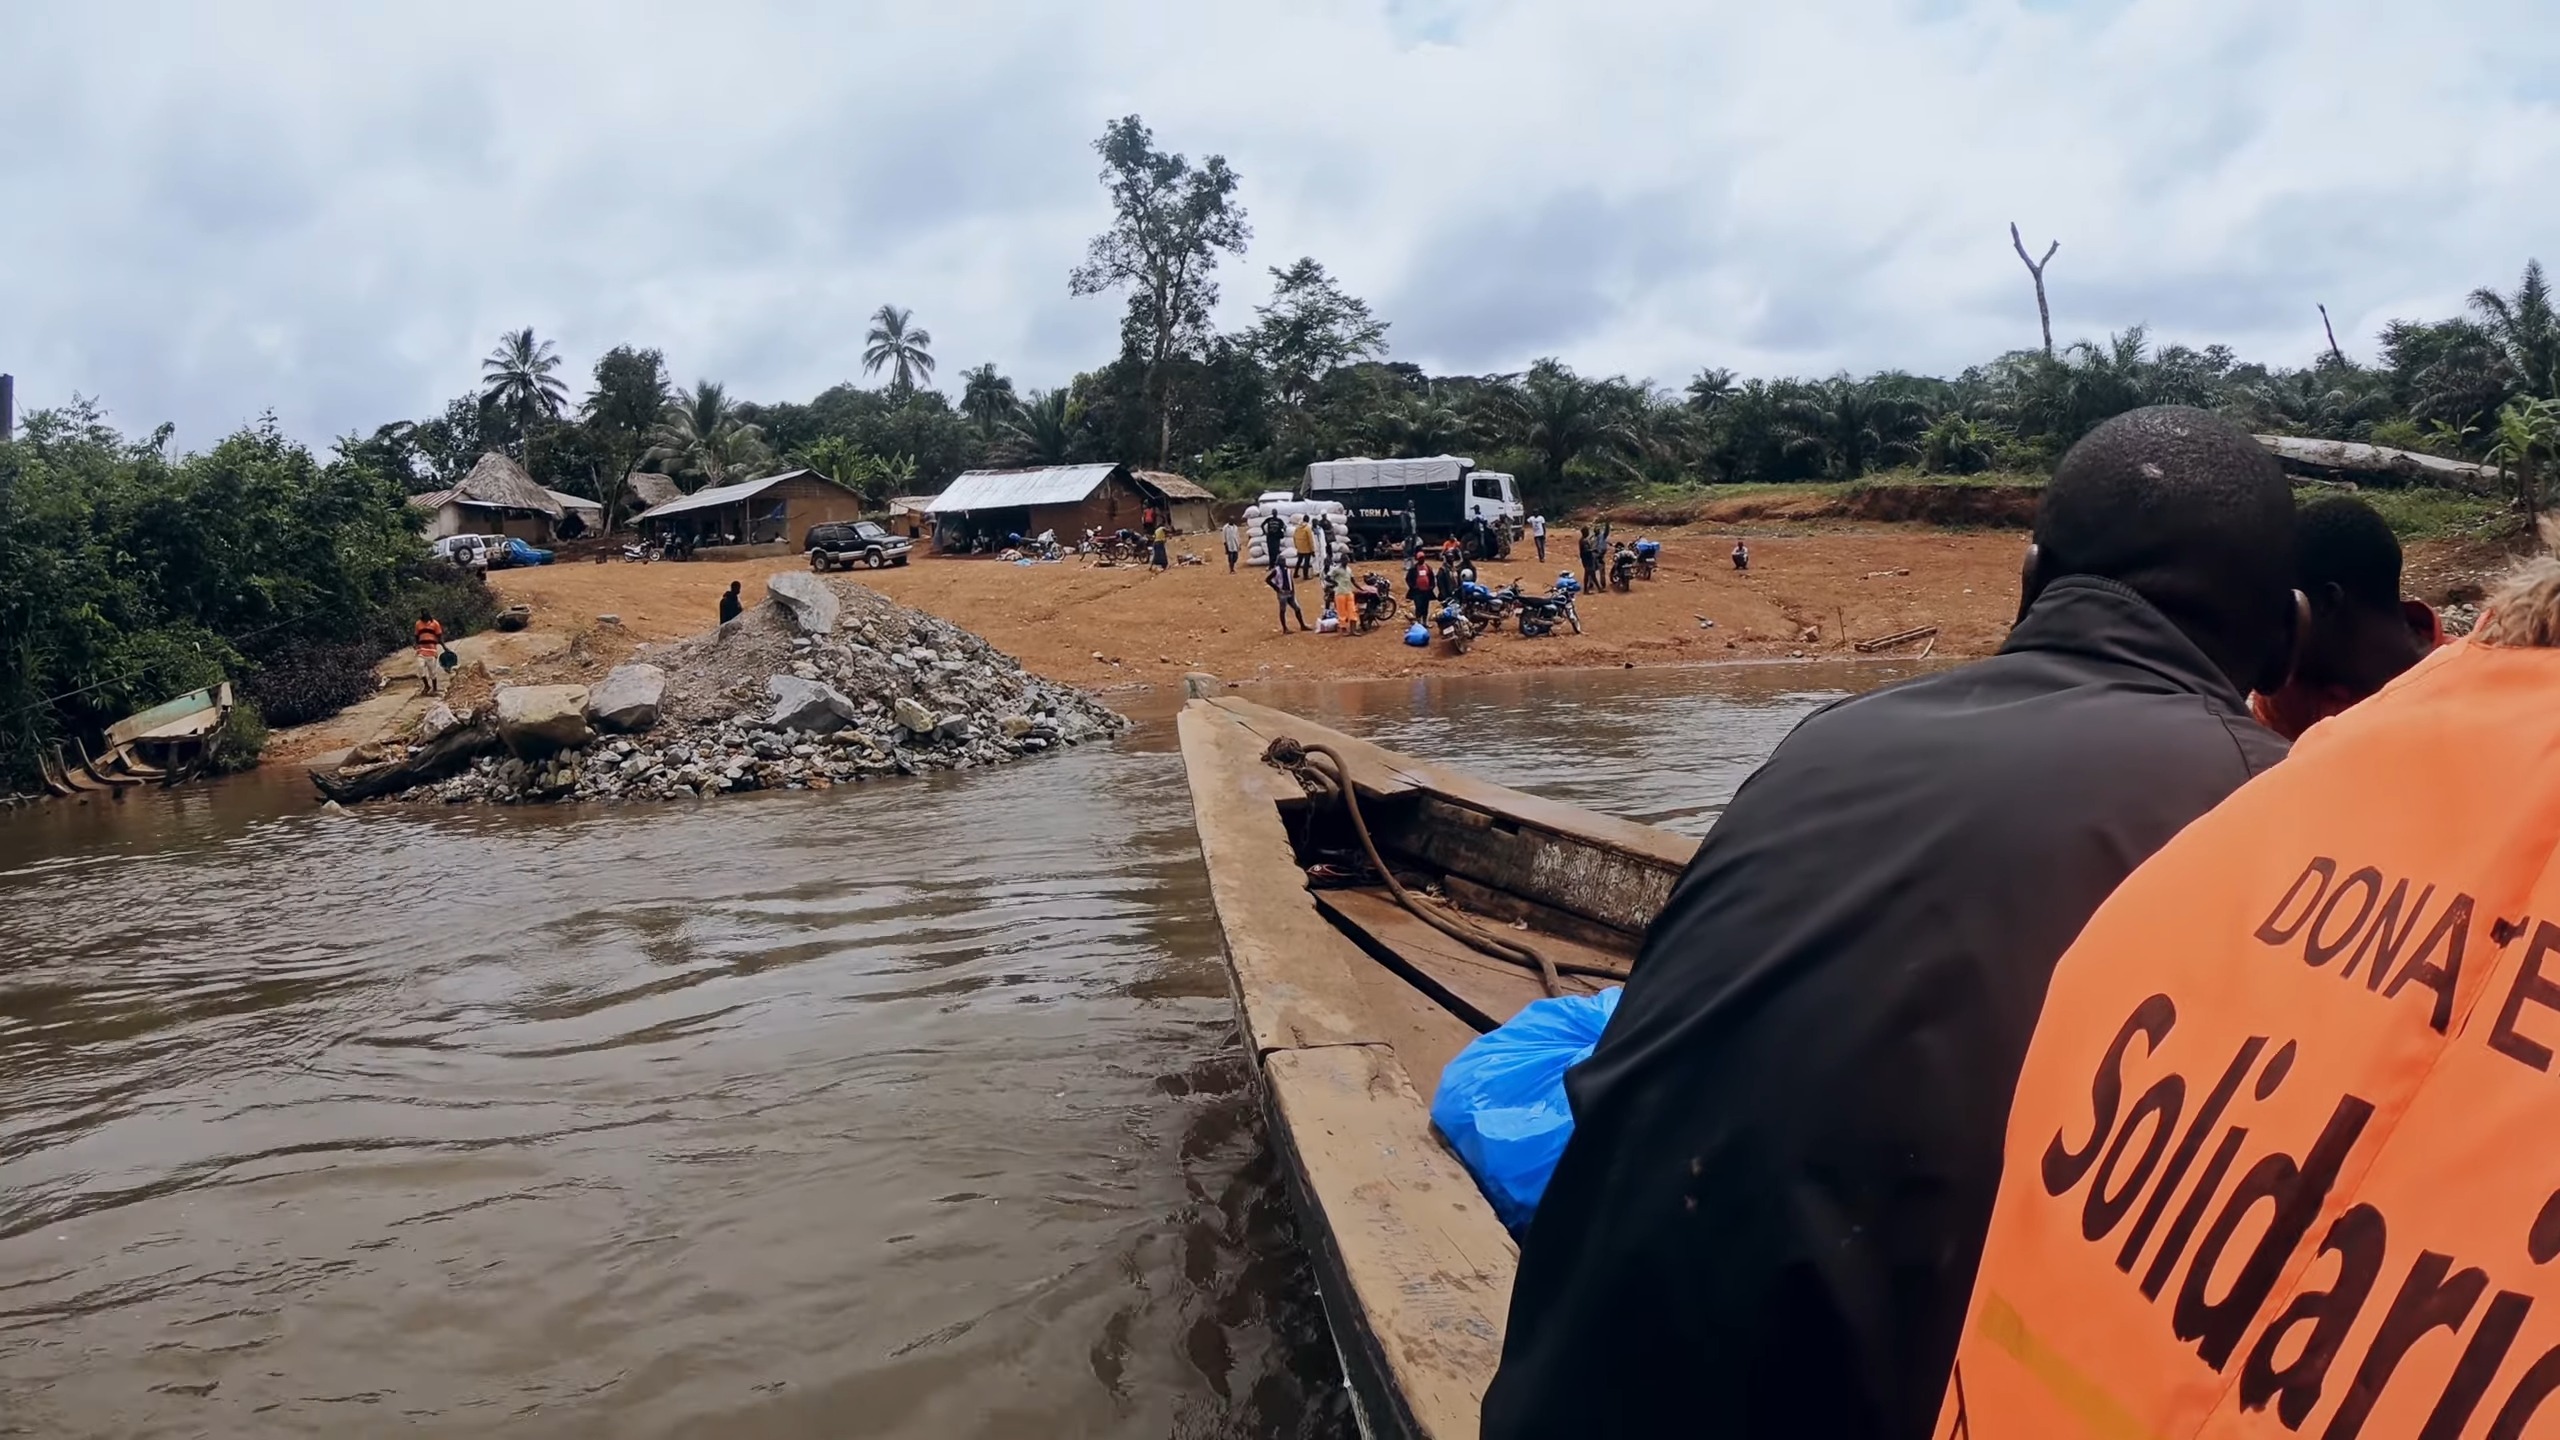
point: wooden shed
(982, 508)
(1188, 504)
(775, 511)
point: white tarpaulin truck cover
(1328, 476)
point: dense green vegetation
(128, 574)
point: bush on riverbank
(129, 575)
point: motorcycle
(1540, 614)
(1622, 568)
(1455, 627)
(1647, 552)
(1376, 599)
(641, 553)
(1488, 608)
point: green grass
(2427, 514)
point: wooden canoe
(1351, 1006)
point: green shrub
(237, 743)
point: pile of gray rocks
(825, 684)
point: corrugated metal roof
(574, 502)
(715, 495)
(432, 500)
(1174, 487)
(1007, 489)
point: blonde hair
(2524, 612)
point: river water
(910, 1110)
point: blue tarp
(1501, 1102)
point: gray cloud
(209, 211)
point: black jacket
(1788, 1139)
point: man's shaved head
(2183, 508)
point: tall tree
(1309, 327)
(2529, 329)
(1170, 223)
(986, 396)
(904, 347)
(701, 441)
(2035, 268)
(517, 382)
(628, 401)
(1043, 429)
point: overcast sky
(208, 210)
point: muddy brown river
(912, 1110)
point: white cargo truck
(1389, 502)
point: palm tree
(1712, 387)
(703, 442)
(897, 343)
(2528, 433)
(1851, 425)
(985, 396)
(517, 382)
(1043, 429)
(1562, 416)
(2527, 327)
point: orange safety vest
(430, 636)
(2284, 1159)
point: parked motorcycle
(1487, 607)
(1541, 614)
(1622, 567)
(1647, 552)
(642, 553)
(1376, 599)
(1454, 626)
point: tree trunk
(2044, 312)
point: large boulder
(811, 605)
(627, 698)
(807, 705)
(538, 719)
(437, 723)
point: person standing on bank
(1538, 536)
(730, 605)
(1287, 589)
(1159, 559)
(1233, 540)
(430, 637)
(1788, 1139)
(1417, 584)
(1275, 540)
(1302, 542)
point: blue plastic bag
(1501, 1101)
(1417, 634)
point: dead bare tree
(2035, 268)
(2333, 335)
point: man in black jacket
(1788, 1139)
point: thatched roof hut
(499, 483)
(650, 489)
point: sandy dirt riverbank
(1847, 583)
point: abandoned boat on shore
(1355, 988)
(164, 745)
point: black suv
(842, 544)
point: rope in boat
(1299, 760)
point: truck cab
(1494, 498)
